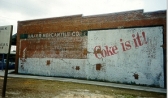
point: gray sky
(18, 10)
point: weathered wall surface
(125, 47)
(127, 55)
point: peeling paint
(136, 76)
(77, 68)
(131, 55)
(48, 62)
(98, 66)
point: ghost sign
(5, 33)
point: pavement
(124, 86)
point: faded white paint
(129, 59)
(146, 60)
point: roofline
(114, 13)
(78, 15)
(106, 14)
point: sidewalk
(141, 88)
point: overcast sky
(19, 10)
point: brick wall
(127, 19)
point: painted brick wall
(72, 33)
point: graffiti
(101, 52)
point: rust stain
(48, 62)
(77, 68)
(136, 76)
(98, 66)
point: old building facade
(126, 47)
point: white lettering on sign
(57, 34)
